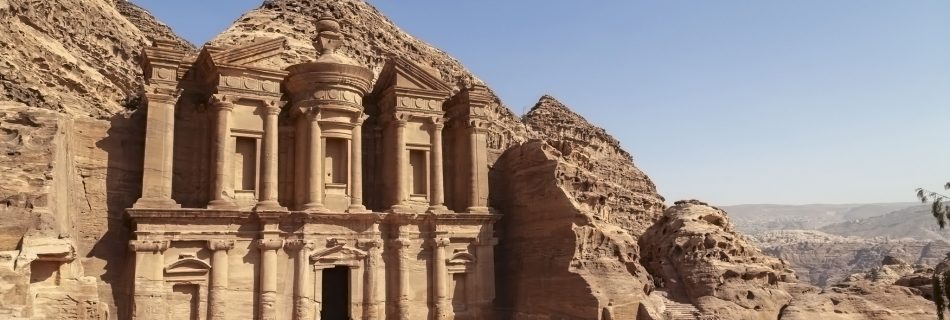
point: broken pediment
(338, 255)
(247, 55)
(400, 73)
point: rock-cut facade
(318, 191)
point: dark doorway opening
(336, 294)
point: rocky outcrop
(574, 207)
(698, 257)
(892, 290)
(603, 179)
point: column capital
(220, 244)
(489, 242)
(440, 242)
(478, 125)
(270, 244)
(369, 244)
(148, 245)
(221, 102)
(300, 244)
(271, 111)
(400, 243)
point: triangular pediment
(402, 73)
(246, 55)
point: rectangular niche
(245, 164)
(418, 173)
(336, 161)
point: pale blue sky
(730, 102)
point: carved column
(479, 174)
(303, 285)
(485, 267)
(268, 195)
(220, 197)
(315, 186)
(219, 278)
(402, 302)
(356, 169)
(301, 137)
(318, 292)
(439, 274)
(149, 283)
(402, 194)
(159, 144)
(371, 295)
(437, 198)
(268, 298)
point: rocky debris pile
(697, 257)
(602, 177)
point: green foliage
(939, 206)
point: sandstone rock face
(603, 179)
(701, 259)
(68, 78)
(577, 206)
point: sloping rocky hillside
(69, 78)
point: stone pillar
(479, 172)
(315, 186)
(159, 147)
(303, 285)
(268, 296)
(437, 197)
(149, 282)
(402, 194)
(356, 169)
(219, 278)
(220, 198)
(371, 295)
(268, 197)
(485, 267)
(402, 302)
(439, 274)
(318, 292)
(301, 137)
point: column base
(438, 209)
(483, 210)
(400, 208)
(269, 206)
(156, 203)
(315, 207)
(222, 204)
(357, 209)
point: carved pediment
(400, 73)
(187, 269)
(461, 262)
(338, 254)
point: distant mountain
(913, 223)
(757, 218)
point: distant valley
(827, 243)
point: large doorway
(336, 294)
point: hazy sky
(729, 102)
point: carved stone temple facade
(314, 192)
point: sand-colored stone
(145, 179)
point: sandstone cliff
(69, 79)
